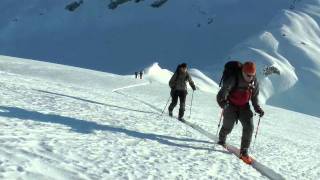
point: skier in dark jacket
(234, 97)
(178, 87)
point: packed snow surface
(61, 122)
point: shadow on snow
(95, 102)
(86, 127)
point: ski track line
(93, 102)
(264, 170)
(141, 101)
(131, 86)
(134, 98)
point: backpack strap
(236, 83)
(251, 85)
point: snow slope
(61, 122)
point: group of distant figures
(138, 73)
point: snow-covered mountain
(203, 33)
(62, 122)
(290, 43)
(133, 35)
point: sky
(65, 127)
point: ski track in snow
(270, 148)
(53, 130)
(264, 170)
(131, 86)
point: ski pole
(165, 106)
(214, 146)
(191, 105)
(220, 122)
(255, 136)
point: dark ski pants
(231, 115)
(181, 94)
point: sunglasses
(250, 75)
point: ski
(236, 152)
(175, 117)
(264, 170)
(232, 149)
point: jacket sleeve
(225, 90)
(254, 97)
(189, 79)
(172, 82)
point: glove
(259, 111)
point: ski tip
(247, 159)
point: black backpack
(231, 68)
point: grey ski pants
(231, 115)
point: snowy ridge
(290, 43)
(203, 81)
(156, 73)
(60, 73)
(265, 45)
(197, 32)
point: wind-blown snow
(203, 81)
(56, 127)
(156, 73)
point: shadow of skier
(86, 127)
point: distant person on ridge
(136, 74)
(141, 73)
(234, 96)
(178, 87)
